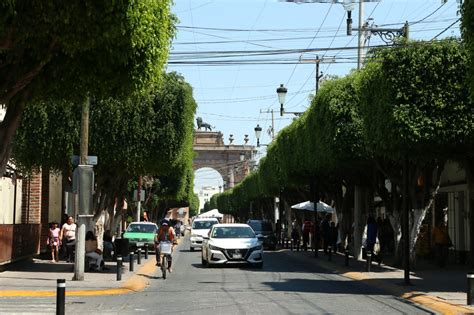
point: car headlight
(215, 248)
(258, 247)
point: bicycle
(165, 251)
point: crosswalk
(28, 305)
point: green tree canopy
(53, 50)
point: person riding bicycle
(164, 233)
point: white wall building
(205, 193)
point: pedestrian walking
(334, 233)
(326, 232)
(442, 242)
(54, 241)
(68, 234)
(295, 237)
(371, 233)
(306, 228)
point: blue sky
(231, 94)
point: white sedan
(232, 243)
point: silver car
(232, 243)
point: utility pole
(360, 48)
(139, 195)
(317, 61)
(273, 120)
(82, 219)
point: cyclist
(164, 233)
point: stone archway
(225, 159)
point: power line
(447, 28)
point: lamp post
(281, 91)
(258, 132)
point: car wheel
(259, 265)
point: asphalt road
(283, 286)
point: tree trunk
(419, 215)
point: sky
(235, 53)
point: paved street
(283, 286)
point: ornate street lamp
(281, 91)
(258, 132)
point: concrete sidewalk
(442, 290)
(37, 277)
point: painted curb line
(136, 283)
(420, 298)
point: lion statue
(201, 124)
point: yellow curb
(420, 298)
(137, 282)
(423, 299)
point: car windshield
(201, 225)
(232, 232)
(141, 228)
(261, 226)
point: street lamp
(231, 139)
(246, 139)
(281, 91)
(349, 6)
(258, 132)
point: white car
(232, 243)
(199, 229)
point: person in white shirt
(68, 234)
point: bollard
(60, 296)
(346, 253)
(470, 288)
(330, 253)
(369, 260)
(146, 252)
(139, 256)
(119, 268)
(131, 261)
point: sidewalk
(37, 277)
(442, 290)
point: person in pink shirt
(53, 241)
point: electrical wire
(447, 28)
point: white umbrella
(309, 206)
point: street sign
(91, 160)
(142, 195)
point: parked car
(264, 228)
(141, 234)
(232, 243)
(199, 229)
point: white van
(200, 228)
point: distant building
(205, 193)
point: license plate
(236, 256)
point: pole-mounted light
(349, 6)
(281, 91)
(258, 132)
